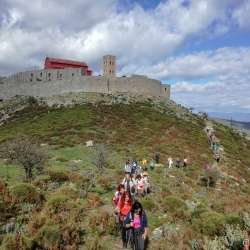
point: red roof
(57, 63)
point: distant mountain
(239, 117)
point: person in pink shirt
(137, 222)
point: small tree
(99, 158)
(24, 152)
(211, 176)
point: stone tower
(109, 65)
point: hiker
(119, 191)
(129, 184)
(246, 242)
(144, 162)
(127, 167)
(135, 169)
(217, 156)
(140, 185)
(124, 208)
(152, 165)
(178, 163)
(146, 182)
(139, 170)
(170, 162)
(137, 222)
(116, 200)
(185, 160)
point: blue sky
(200, 47)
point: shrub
(49, 236)
(57, 202)
(25, 192)
(14, 242)
(173, 204)
(233, 238)
(215, 244)
(94, 243)
(105, 183)
(148, 204)
(210, 176)
(102, 223)
(41, 181)
(210, 223)
(58, 176)
(233, 219)
(94, 200)
(68, 191)
(200, 209)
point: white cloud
(224, 86)
(242, 15)
(88, 29)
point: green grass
(11, 173)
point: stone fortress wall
(50, 82)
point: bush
(41, 181)
(103, 223)
(233, 219)
(58, 176)
(68, 191)
(12, 242)
(25, 192)
(94, 200)
(210, 177)
(57, 202)
(210, 223)
(49, 236)
(148, 204)
(234, 237)
(106, 183)
(173, 204)
(200, 209)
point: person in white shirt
(128, 167)
(170, 162)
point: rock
(10, 227)
(166, 230)
(157, 234)
(89, 143)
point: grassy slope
(138, 131)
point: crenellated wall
(45, 83)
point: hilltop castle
(65, 76)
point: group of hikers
(130, 216)
(178, 163)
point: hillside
(186, 213)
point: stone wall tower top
(109, 65)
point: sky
(200, 47)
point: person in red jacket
(124, 208)
(116, 199)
